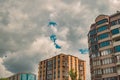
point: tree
(73, 74)
(3, 78)
(79, 79)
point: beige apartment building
(104, 47)
(58, 67)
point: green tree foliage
(73, 74)
(3, 78)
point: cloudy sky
(24, 31)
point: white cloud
(114, 5)
(42, 45)
(63, 33)
(3, 71)
(83, 42)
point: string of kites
(53, 38)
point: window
(106, 52)
(59, 73)
(93, 56)
(102, 28)
(117, 48)
(107, 61)
(54, 74)
(92, 32)
(115, 31)
(109, 70)
(97, 54)
(96, 62)
(118, 58)
(119, 21)
(98, 71)
(102, 21)
(113, 23)
(103, 44)
(111, 78)
(102, 36)
(94, 48)
(92, 40)
(54, 63)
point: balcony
(104, 48)
(114, 27)
(106, 23)
(116, 35)
(98, 76)
(102, 40)
(109, 75)
(117, 53)
(116, 43)
(118, 69)
(108, 65)
(105, 31)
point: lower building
(58, 67)
(23, 76)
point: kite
(53, 37)
(52, 23)
(52, 26)
(83, 51)
(57, 46)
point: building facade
(104, 47)
(23, 76)
(58, 67)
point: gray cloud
(70, 1)
(19, 64)
(24, 34)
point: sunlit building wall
(58, 67)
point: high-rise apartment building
(22, 76)
(58, 67)
(104, 47)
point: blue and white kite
(83, 51)
(53, 37)
(57, 46)
(51, 23)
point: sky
(24, 31)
